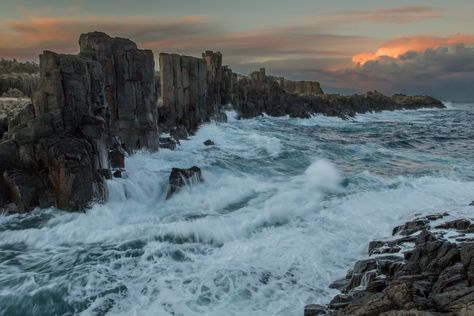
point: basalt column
(183, 91)
(129, 88)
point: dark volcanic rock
(435, 278)
(168, 143)
(314, 310)
(181, 177)
(130, 92)
(458, 224)
(410, 227)
(58, 147)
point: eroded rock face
(193, 89)
(183, 91)
(130, 88)
(53, 150)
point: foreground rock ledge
(426, 268)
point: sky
(412, 47)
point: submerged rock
(209, 143)
(180, 178)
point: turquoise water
(287, 206)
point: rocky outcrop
(180, 178)
(259, 93)
(59, 150)
(431, 272)
(54, 149)
(129, 75)
(299, 87)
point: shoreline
(425, 268)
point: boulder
(314, 310)
(209, 143)
(458, 224)
(168, 143)
(180, 178)
(411, 227)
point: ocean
(286, 208)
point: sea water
(286, 207)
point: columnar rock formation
(53, 151)
(183, 82)
(192, 89)
(59, 151)
(129, 88)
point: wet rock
(411, 227)
(180, 178)
(179, 133)
(458, 224)
(24, 188)
(452, 276)
(467, 258)
(424, 237)
(106, 173)
(472, 203)
(340, 301)
(168, 143)
(117, 173)
(314, 309)
(209, 143)
(434, 278)
(341, 285)
(117, 157)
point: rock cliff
(259, 93)
(130, 92)
(53, 150)
(192, 89)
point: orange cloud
(402, 45)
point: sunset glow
(402, 45)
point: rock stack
(192, 89)
(183, 91)
(129, 75)
(54, 150)
(87, 110)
